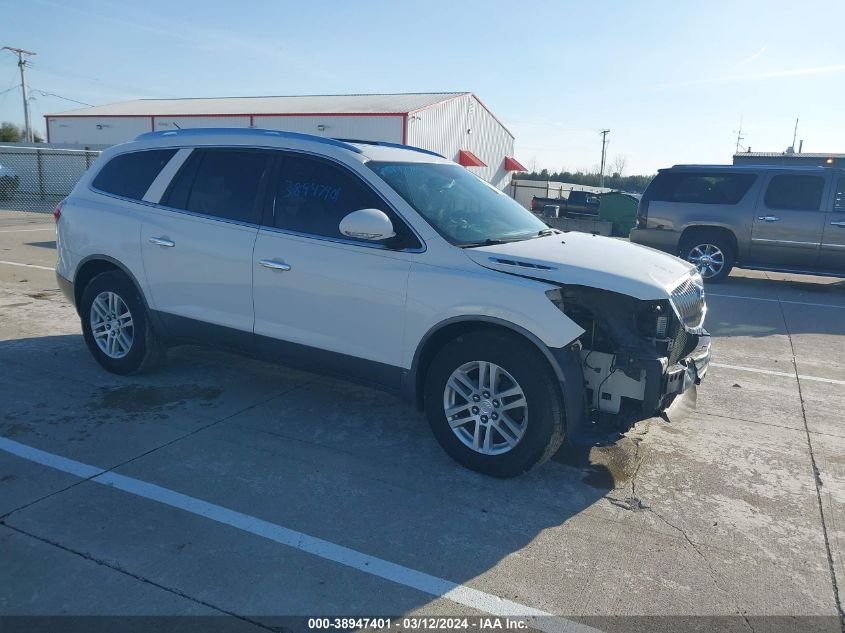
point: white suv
(385, 264)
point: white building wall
(96, 130)
(165, 123)
(463, 123)
(366, 128)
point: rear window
(699, 187)
(130, 175)
(795, 193)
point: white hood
(588, 260)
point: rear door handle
(162, 241)
(838, 223)
(272, 264)
(768, 218)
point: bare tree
(532, 165)
(618, 164)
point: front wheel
(116, 326)
(494, 404)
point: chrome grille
(688, 302)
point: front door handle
(272, 264)
(162, 241)
(768, 218)
(838, 223)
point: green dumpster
(620, 209)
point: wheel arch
(455, 327)
(94, 265)
(695, 229)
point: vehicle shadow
(328, 458)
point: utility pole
(22, 65)
(604, 134)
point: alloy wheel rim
(485, 407)
(112, 325)
(708, 258)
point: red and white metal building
(455, 124)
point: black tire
(716, 239)
(544, 427)
(146, 350)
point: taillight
(642, 213)
(57, 212)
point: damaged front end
(637, 358)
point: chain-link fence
(36, 179)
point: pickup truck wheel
(116, 326)
(711, 253)
(494, 404)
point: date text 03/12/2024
(420, 623)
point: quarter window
(130, 175)
(795, 193)
(313, 196)
(224, 183)
(700, 188)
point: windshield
(460, 206)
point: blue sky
(669, 79)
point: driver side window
(314, 195)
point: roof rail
(386, 144)
(241, 131)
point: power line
(52, 94)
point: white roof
(307, 104)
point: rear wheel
(711, 252)
(494, 404)
(116, 326)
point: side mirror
(367, 224)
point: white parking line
(48, 228)
(771, 372)
(426, 583)
(26, 265)
(800, 303)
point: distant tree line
(11, 133)
(635, 184)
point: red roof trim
(243, 114)
(511, 164)
(468, 159)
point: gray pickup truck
(763, 217)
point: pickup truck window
(795, 193)
(700, 187)
(839, 200)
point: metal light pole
(22, 65)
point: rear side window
(700, 187)
(839, 200)
(130, 175)
(313, 196)
(795, 193)
(224, 183)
